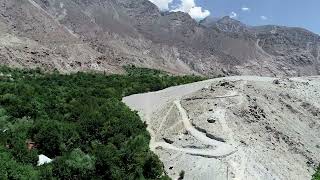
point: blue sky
(297, 13)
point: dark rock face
(103, 35)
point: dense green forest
(79, 121)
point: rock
(211, 120)
(277, 81)
(168, 141)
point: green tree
(10, 169)
(53, 137)
(76, 165)
(316, 176)
(79, 121)
(17, 137)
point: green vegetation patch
(316, 176)
(79, 121)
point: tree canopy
(79, 121)
(316, 176)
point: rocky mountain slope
(103, 35)
(235, 128)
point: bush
(76, 165)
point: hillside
(235, 127)
(81, 35)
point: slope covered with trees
(79, 121)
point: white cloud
(162, 4)
(244, 8)
(187, 6)
(233, 15)
(198, 13)
(264, 18)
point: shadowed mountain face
(103, 35)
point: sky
(294, 13)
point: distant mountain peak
(228, 19)
(209, 21)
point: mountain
(104, 35)
(225, 24)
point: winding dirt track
(230, 158)
(222, 149)
(148, 103)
